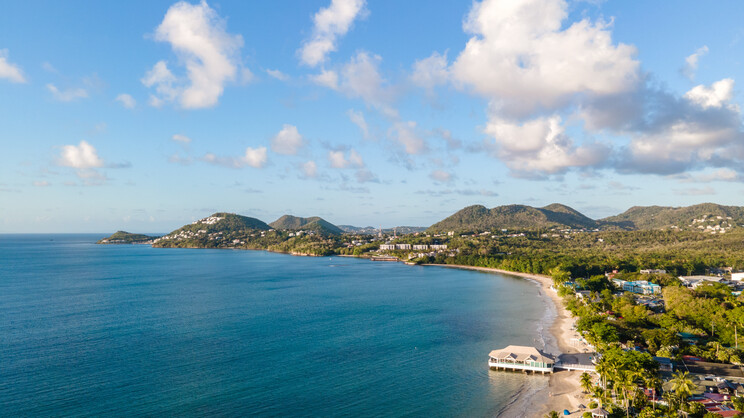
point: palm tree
(682, 385)
(586, 382)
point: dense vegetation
(123, 237)
(557, 216)
(314, 223)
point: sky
(146, 115)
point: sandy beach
(564, 388)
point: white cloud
(255, 157)
(691, 62)
(330, 23)
(210, 55)
(441, 176)
(41, 183)
(405, 134)
(277, 75)
(355, 159)
(181, 138)
(310, 169)
(126, 100)
(10, 71)
(718, 94)
(68, 95)
(326, 78)
(338, 159)
(288, 141)
(357, 118)
(702, 129)
(82, 156)
(524, 59)
(722, 174)
(361, 78)
(430, 72)
(539, 146)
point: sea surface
(130, 330)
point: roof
(599, 412)
(521, 353)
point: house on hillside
(653, 271)
(695, 281)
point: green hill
(480, 218)
(123, 237)
(696, 217)
(314, 223)
(212, 231)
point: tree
(552, 414)
(586, 382)
(682, 385)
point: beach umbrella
(565, 412)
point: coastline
(564, 388)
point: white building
(438, 247)
(384, 247)
(737, 277)
(403, 246)
(420, 247)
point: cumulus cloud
(702, 128)
(441, 176)
(406, 134)
(309, 169)
(326, 78)
(539, 145)
(430, 72)
(8, 70)
(288, 141)
(329, 24)
(357, 118)
(68, 95)
(253, 157)
(209, 53)
(81, 156)
(722, 174)
(360, 78)
(277, 75)
(126, 100)
(691, 62)
(524, 59)
(181, 138)
(718, 94)
(339, 159)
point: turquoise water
(131, 330)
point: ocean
(130, 330)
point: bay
(91, 330)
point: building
(653, 271)
(737, 277)
(642, 287)
(516, 357)
(665, 364)
(438, 247)
(420, 247)
(695, 281)
(403, 246)
(385, 247)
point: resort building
(385, 247)
(642, 288)
(737, 277)
(516, 357)
(653, 271)
(403, 246)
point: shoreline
(564, 388)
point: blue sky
(144, 116)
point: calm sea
(131, 330)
